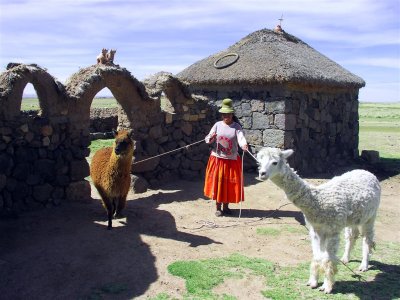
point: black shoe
(227, 211)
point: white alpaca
(348, 201)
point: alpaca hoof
(344, 260)
(312, 284)
(119, 215)
(363, 268)
(325, 289)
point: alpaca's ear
(287, 153)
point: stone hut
(286, 94)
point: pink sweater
(228, 139)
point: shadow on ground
(384, 286)
(67, 252)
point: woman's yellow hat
(227, 106)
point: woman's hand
(245, 147)
(210, 138)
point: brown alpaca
(110, 170)
(102, 57)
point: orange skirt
(223, 181)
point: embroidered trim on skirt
(223, 181)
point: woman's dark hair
(235, 119)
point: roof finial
(278, 28)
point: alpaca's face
(123, 143)
(271, 161)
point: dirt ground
(66, 252)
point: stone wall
(103, 119)
(321, 125)
(189, 124)
(41, 164)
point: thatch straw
(269, 57)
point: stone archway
(43, 157)
(13, 82)
(130, 93)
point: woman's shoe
(218, 213)
(227, 210)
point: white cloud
(380, 92)
(386, 62)
(150, 36)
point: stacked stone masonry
(43, 155)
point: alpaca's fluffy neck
(120, 164)
(296, 189)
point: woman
(223, 182)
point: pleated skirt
(223, 180)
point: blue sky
(151, 36)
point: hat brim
(226, 110)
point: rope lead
(168, 152)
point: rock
(370, 156)
(139, 184)
(79, 191)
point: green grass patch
(282, 229)
(98, 144)
(380, 282)
(162, 296)
(30, 104)
(268, 231)
(382, 111)
(104, 103)
(380, 129)
(33, 103)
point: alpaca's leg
(315, 266)
(330, 269)
(114, 205)
(331, 245)
(109, 207)
(107, 203)
(367, 232)
(120, 207)
(314, 272)
(350, 235)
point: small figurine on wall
(102, 57)
(110, 56)
(106, 57)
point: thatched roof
(265, 56)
